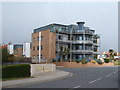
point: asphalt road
(102, 77)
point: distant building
(11, 49)
(3, 46)
(26, 49)
(69, 42)
(18, 49)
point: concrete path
(41, 78)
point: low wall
(37, 69)
(77, 65)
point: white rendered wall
(26, 49)
(10, 49)
(39, 46)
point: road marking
(114, 72)
(95, 80)
(76, 87)
(108, 75)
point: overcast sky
(19, 19)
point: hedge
(15, 71)
(106, 60)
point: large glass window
(61, 37)
(80, 56)
(77, 47)
(81, 47)
(80, 38)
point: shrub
(77, 61)
(99, 61)
(83, 61)
(93, 61)
(106, 60)
(15, 71)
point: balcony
(96, 44)
(77, 41)
(81, 51)
(96, 52)
(82, 41)
(66, 41)
(84, 32)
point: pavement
(43, 77)
(97, 77)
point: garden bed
(77, 65)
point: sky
(19, 19)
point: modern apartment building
(66, 42)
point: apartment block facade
(66, 42)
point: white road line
(76, 87)
(114, 72)
(108, 75)
(95, 80)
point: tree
(61, 53)
(11, 58)
(112, 54)
(64, 51)
(5, 55)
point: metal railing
(77, 41)
(82, 51)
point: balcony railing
(82, 51)
(76, 41)
(96, 44)
(84, 32)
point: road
(102, 77)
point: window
(80, 56)
(33, 39)
(38, 57)
(41, 47)
(77, 47)
(41, 38)
(80, 47)
(60, 37)
(41, 56)
(37, 47)
(80, 38)
(33, 48)
(37, 38)
(77, 57)
(33, 57)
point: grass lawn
(117, 62)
